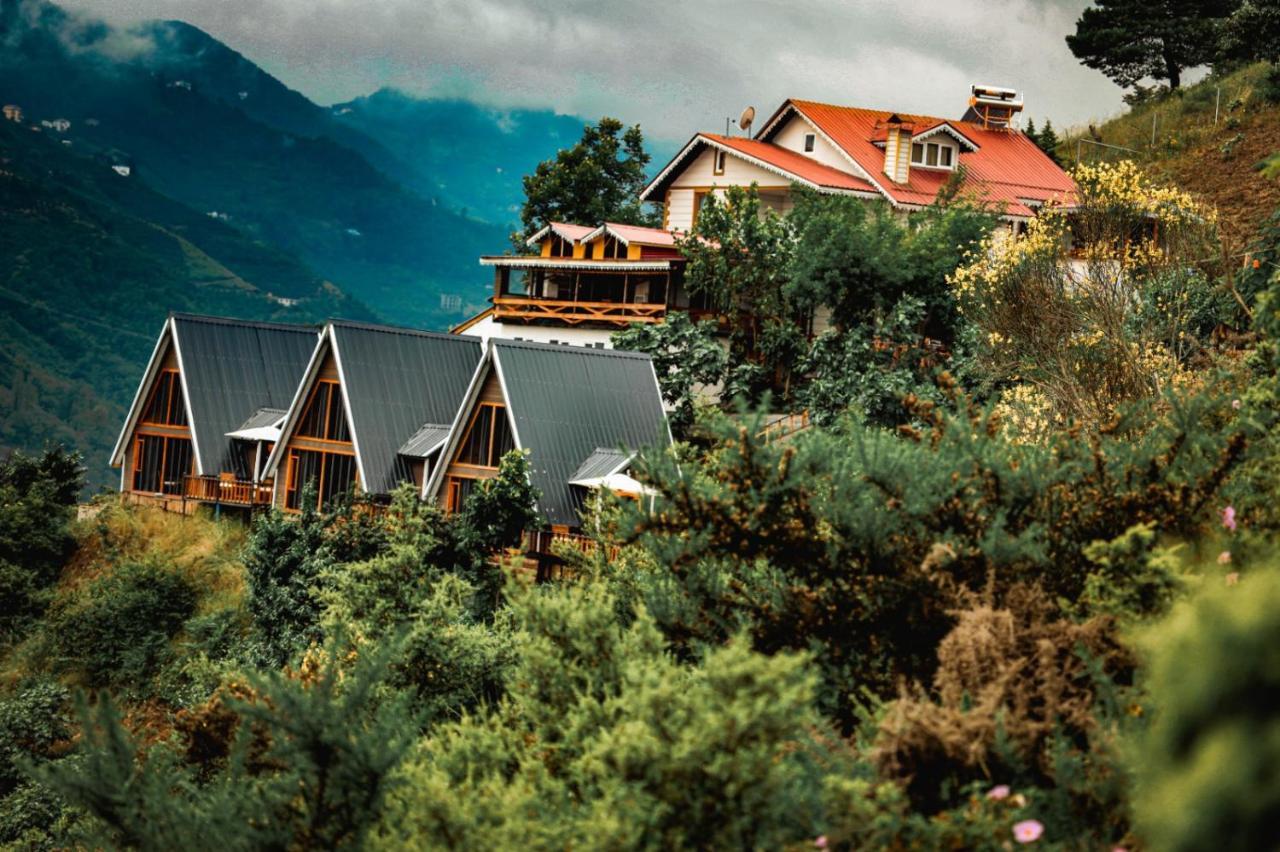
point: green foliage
(1206, 770)
(117, 631)
(855, 544)
(686, 356)
(1046, 139)
(283, 561)
(596, 180)
(493, 518)
(1129, 40)
(1133, 578)
(603, 741)
(37, 505)
(308, 767)
(1253, 32)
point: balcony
(227, 492)
(548, 543)
(570, 312)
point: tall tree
(1253, 32)
(597, 180)
(1129, 40)
(1047, 140)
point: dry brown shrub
(1014, 673)
(209, 729)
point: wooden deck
(228, 492)
(569, 312)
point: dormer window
(932, 155)
(718, 163)
(809, 140)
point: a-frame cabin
(200, 424)
(371, 412)
(572, 409)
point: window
(932, 154)
(614, 249)
(161, 464)
(561, 247)
(456, 491)
(488, 438)
(698, 196)
(718, 165)
(165, 407)
(809, 140)
(332, 475)
(324, 417)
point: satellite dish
(748, 116)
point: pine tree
(1048, 141)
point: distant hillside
(168, 105)
(90, 264)
(472, 157)
(1216, 162)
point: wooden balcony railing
(231, 492)
(785, 426)
(548, 543)
(569, 312)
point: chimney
(994, 107)
(897, 150)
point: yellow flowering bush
(1092, 305)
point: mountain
(91, 262)
(472, 157)
(165, 100)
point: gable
(700, 173)
(791, 134)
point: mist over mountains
(157, 169)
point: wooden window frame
(328, 405)
(291, 476)
(717, 161)
(495, 408)
(170, 375)
(164, 461)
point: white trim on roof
(945, 127)
(542, 232)
(290, 421)
(186, 398)
(516, 262)
(135, 408)
(351, 421)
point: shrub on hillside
(37, 505)
(116, 632)
(1206, 771)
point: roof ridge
(569, 348)
(245, 323)
(405, 330)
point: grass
(1208, 139)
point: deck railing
(570, 312)
(231, 492)
(785, 426)
(549, 543)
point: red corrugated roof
(638, 234)
(1006, 168)
(793, 163)
(569, 231)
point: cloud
(675, 67)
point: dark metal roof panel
(263, 417)
(567, 402)
(233, 368)
(602, 462)
(425, 440)
(395, 380)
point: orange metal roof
(805, 168)
(641, 235)
(1007, 167)
(569, 231)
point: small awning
(425, 441)
(619, 483)
(602, 462)
(263, 425)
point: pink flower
(1229, 518)
(1027, 831)
(820, 841)
(1235, 403)
(1000, 791)
(1224, 558)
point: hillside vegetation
(1174, 137)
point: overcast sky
(675, 67)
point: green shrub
(117, 631)
(1207, 769)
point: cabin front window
(166, 406)
(332, 475)
(487, 440)
(325, 417)
(161, 464)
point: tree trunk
(1172, 71)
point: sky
(674, 67)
